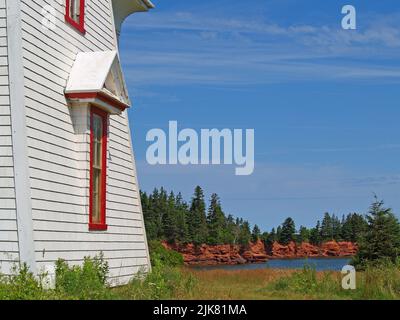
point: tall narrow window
(75, 14)
(98, 168)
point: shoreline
(194, 266)
(258, 252)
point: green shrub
(380, 281)
(309, 284)
(165, 281)
(21, 285)
(166, 257)
(89, 281)
(83, 282)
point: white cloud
(186, 48)
(276, 191)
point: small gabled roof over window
(96, 77)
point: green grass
(170, 280)
(89, 282)
(378, 282)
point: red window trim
(81, 25)
(98, 95)
(102, 226)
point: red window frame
(81, 25)
(93, 226)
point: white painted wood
(20, 148)
(123, 9)
(9, 246)
(7, 267)
(9, 249)
(7, 236)
(90, 71)
(52, 142)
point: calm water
(320, 264)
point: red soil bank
(258, 252)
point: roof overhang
(98, 99)
(124, 8)
(96, 78)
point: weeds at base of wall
(89, 282)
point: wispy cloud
(338, 149)
(187, 48)
(275, 190)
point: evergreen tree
(346, 228)
(327, 228)
(169, 217)
(216, 221)
(181, 219)
(256, 233)
(265, 237)
(278, 233)
(304, 235)
(152, 214)
(315, 234)
(353, 226)
(231, 231)
(382, 237)
(197, 219)
(170, 223)
(245, 233)
(288, 231)
(336, 228)
(270, 238)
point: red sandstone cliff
(305, 249)
(258, 252)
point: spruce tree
(181, 219)
(288, 231)
(197, 219)
(315, 234)
(336, 228)
(170, 223)
(229, 235)
(273, 235)
(381, 241)
(152, 215)
(327, 228)
(245, 233)
(304, 235)
(216, 221)
(278, 233)
(256, 233)
(354, 225)
(346, 233)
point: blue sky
(324, 102)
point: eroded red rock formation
(258, 252)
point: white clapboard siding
(8, 219)
(58, 154)
(9, 267)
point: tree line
(348, 228)
(170, 218)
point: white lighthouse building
(68, 182)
